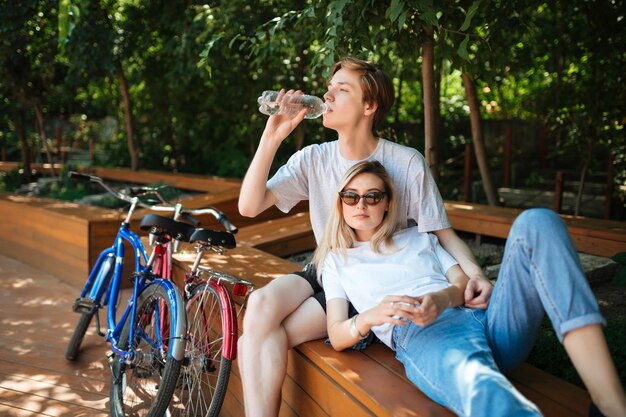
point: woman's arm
(479, 288)
(344, 332)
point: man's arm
(254, 196)
(479, 288)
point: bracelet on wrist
(354, 331)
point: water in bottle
(291, 104)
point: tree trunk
(128, 118)
(430, 104)
(583, 178)
(42, 135)
(477, 139)
(19, 130)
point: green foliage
(619, 280)
(194, 71)
(13, 179)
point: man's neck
(357, 146)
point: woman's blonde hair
(339, 236)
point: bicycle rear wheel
(204, 377)
(144, 387)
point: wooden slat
(595, 236)
(280, 237)
(201, 183)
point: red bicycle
(211, 342)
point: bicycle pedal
(84, 306)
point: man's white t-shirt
(364, 277)
(314, 173)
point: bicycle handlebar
(187, 214)
(219, 216)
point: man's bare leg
(265, 341)
(590, 355)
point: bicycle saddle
(165, 225)
(213, 237)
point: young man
(291, 309)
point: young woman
(408, 290)
(290, 310)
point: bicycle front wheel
(144, 385)
(204, 377)
(71, 353)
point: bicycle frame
(103, 277)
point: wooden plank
(323, 390)
(280, 237)
(380, 391)
(595, 236)
(544, 385)
(201, 183)
(37, 403)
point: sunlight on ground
(21, 283)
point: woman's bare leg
(588, 350)
(265, 341)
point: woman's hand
(279, 126)
(430, 307)
(391, 309)
(421, 310)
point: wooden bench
(60, 237)
(323, 382)
(593, 236)
(281, 237)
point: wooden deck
(36, 324)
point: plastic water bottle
(291, 104)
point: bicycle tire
(203, 380)
(145, 386)
(71, 353)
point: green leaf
(469, 16)
(429, 17)
(68, 17)
(620, 258)
(401, 20)
(619, 280)
(395, 9)
(462, 50)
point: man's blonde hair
(376, 85)
(339, 236)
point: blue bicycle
(148, 340)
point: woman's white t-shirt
(364, 277)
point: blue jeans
(459, 360)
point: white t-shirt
(365, 277)
(314, 173)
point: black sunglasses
(351, 198)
